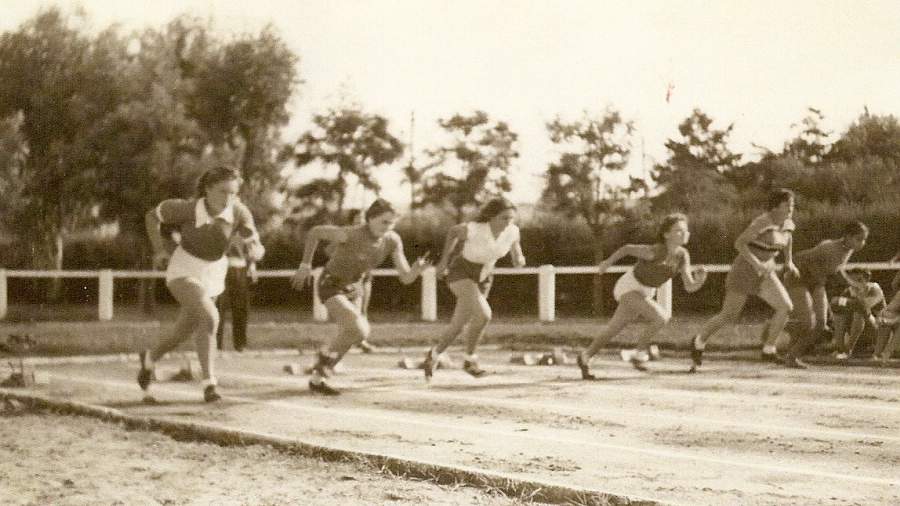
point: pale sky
(757, 64)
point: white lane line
(705, 395)
(575, 410)
(393, 420)
(813, 376)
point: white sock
(471, 358)
(209, 382)
(698, 344)
(768, 349)
(316, 378)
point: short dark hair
(492, 208)
(854, 228)
(379, 207)
(866, 273)
(667, 223)
(215, 175)
(779, 196)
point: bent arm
(636, 250)
(692, 282)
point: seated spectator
(853, 311)
(889, 319)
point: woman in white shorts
(196, 269)
(634, 291)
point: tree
(482, 151)
(13, 154)
(59, 81)
(870, 135)
(240, 98)
(810, 144)
(348, 145)
(694, 175)
(577, 183)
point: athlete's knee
(480, 318)
(363, 328)
(658, 320)
(207, 323)
(785, 309)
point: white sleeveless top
(481, 247)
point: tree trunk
(52, 258)
(599, 294)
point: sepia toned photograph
(431, 252)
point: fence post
(320, 312)
(429, 294)
(105, 295)
(547, 293)
(664, 297)
(2, 294)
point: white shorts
(628, 283)
(210, 275)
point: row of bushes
(546, 239)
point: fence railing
(546, 285)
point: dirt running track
(736, 433)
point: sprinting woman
(807, 289)
(468, 259)
(358, 250)
(634, 291)
(753, 272)
(196, 269)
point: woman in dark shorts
(468, 259)
(754, 273)
(807, 290)
(358, 250)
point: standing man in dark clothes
(241, 273)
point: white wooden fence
(546, 285)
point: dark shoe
(428, 366)
(324, 365)
(367, 347)
(323, 388)
(696, 355)
(210, 394)
(473, 369)
(794, 362)
(585, 369)
(145, 375)
(770, 357)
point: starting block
(555, 357)
(443, 362)
(295, 369)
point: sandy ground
(48, 459)
(739, 432)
